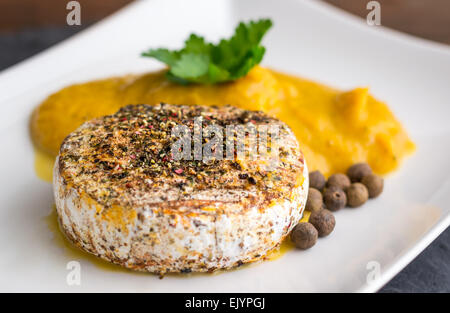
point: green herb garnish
(205, 63)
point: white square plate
(310, 39)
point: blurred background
(30, 26)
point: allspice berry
(316, 180)
(334, 198)
(304, 235)
(339, 180)
(314, 201)
(323, 221)
(357, 171)
(357, 195)
(374, 185)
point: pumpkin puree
(335, 129)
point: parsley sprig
(206, 63)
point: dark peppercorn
(323, 221)
(314, 201)
(339, 180)
(304, 235)
(374, 185)
(357, 171)
(316, 180)
(357, 195)
(334, 198)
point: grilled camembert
(122, 196)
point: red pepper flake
(133, 156)
(123, 119)
(174, 114)
(150, 126)
(128, 185)
(165, 158)
(178, 171)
